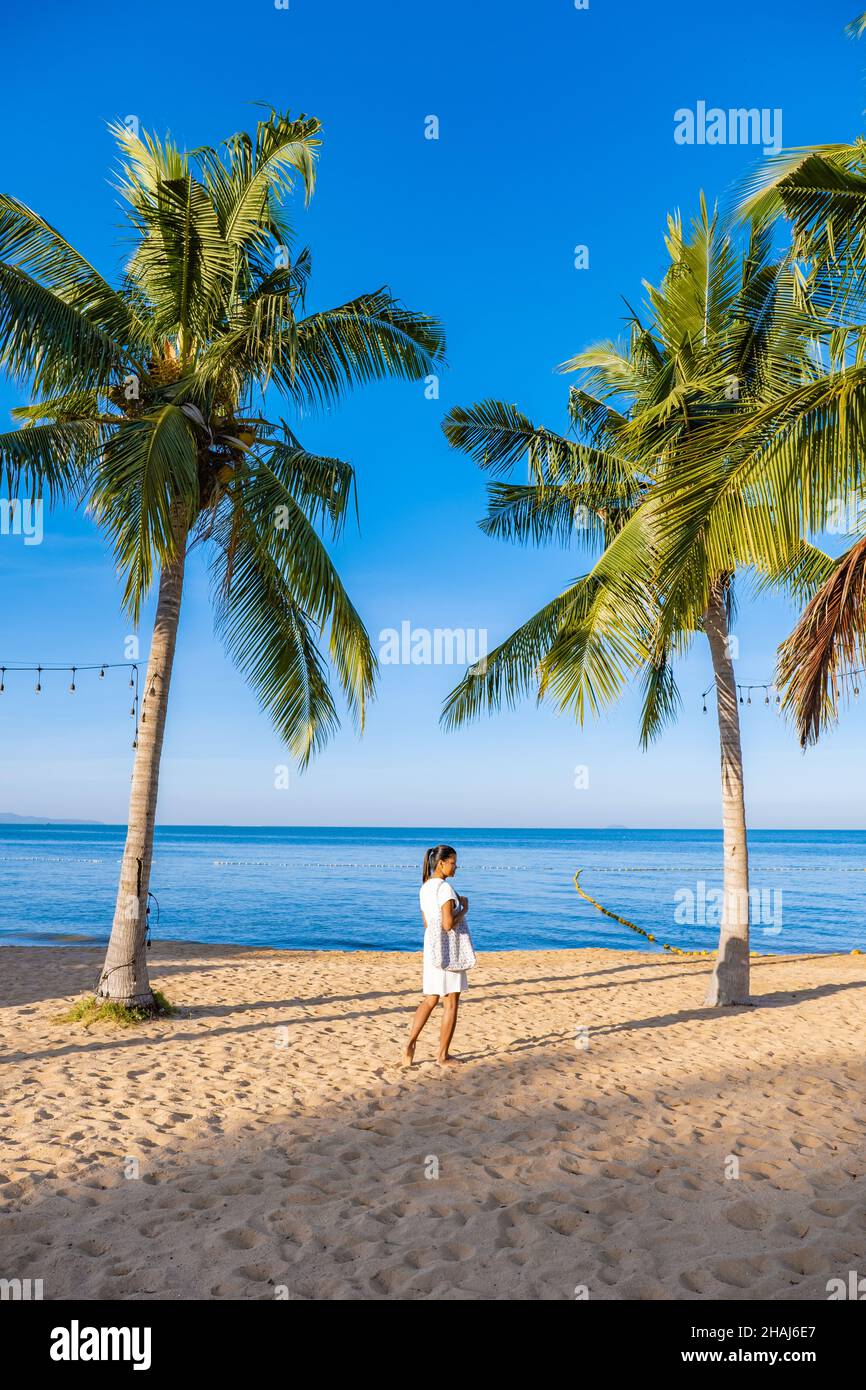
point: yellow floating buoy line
(675, 950)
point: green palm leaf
(36, 247)
(49, 342)
(53, 459)
(273, 642)
(366, 339)
(148, 468)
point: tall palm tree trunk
(124, 976)
(730, 979)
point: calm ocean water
(352, 889)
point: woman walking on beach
(441, 908)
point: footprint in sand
(761, 1172)
(388, 1281)
(827, 1207)
(420, 1259)
(807, 1142)
(233, 1289)
(806, 1260)
(741, 1274)
(257, 1274)
(456, 1252)
(566, 1223)
(790, 1228)
(203, 1203)
(92, 1247)
(745, 1216)
(698, 1281)
(151, 1229)
(241, 1239)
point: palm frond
(53, 459)
(323, 487)
(661, 698)
(275, 589)
(284, 528)
(829, 637)
(514, 668)
(31, 243)
(249, 178)
(48, 341)
(499, 437)
(272, 640)
(366, 339)
(549, 515)
(148, 469)
(182, 262)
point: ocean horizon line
(34, 822)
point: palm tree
(713, 341)
(794, 462)
(799, 453)
(812, 441)
(152, 407)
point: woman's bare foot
(409, 1054)
(449, 1061)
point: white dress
(434, 893)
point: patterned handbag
(453, 950)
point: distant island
(9, 818)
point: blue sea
(357, 889)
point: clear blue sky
(556, 129)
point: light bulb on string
(2, 680)
(749, 701)
(102, 673)
(38, 679)
(766, 695)
(72, 685)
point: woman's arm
(452, 913)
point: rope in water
(529, 868)
(675, 950)
(412, 868)
(714, 868)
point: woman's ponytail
(433, 857)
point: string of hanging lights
(744, 692)
(13, 668)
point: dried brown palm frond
(830, 636)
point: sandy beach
(277, 1149)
